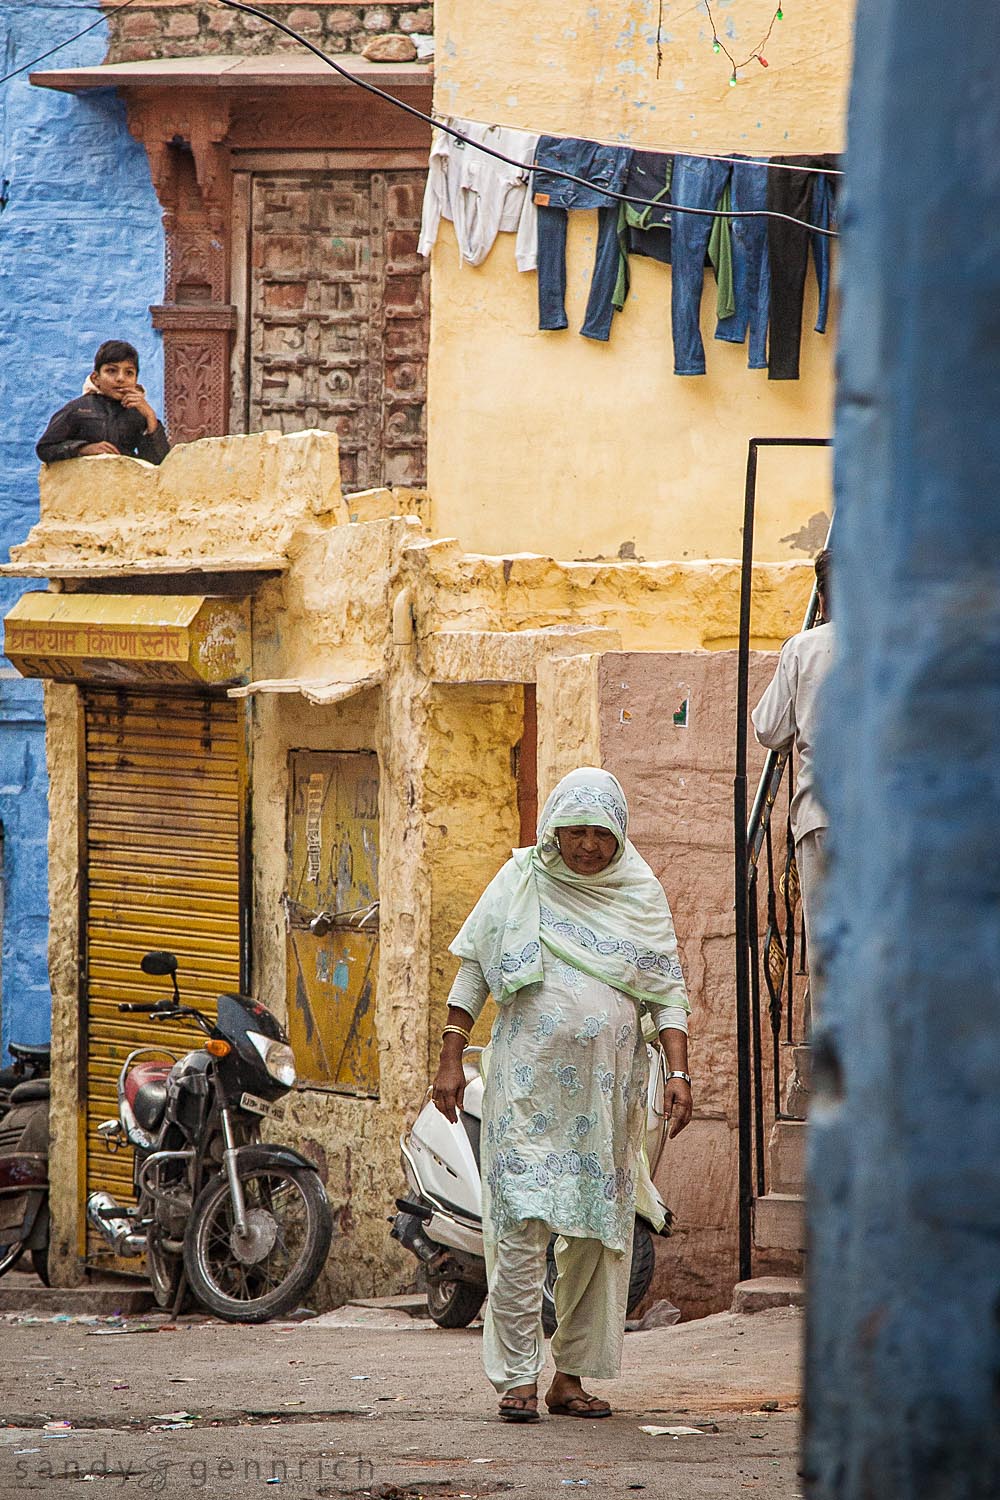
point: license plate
(254, 1105)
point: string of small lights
(447, 128)
(718, 45)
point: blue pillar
(81, 259)
(903, 1359)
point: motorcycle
(24, 1159)
(243, 1224)
(441, 1224)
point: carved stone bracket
(185, 136)
(196, 342)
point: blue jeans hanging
(698, 182)
(604, 167)
(751, 267)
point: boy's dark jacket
(93, 418)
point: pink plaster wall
(679, 783)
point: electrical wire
(66, 42)
(418, 114)
(441, 124)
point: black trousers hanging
(788, 252)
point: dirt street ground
(369, 1402)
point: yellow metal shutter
(164, 836)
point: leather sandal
(517, 1409)
(591, 1407)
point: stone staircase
(779, 1216)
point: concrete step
(787, 1156)
(102, 1296)
(764, 1292)
(796, 1069)
(413, 1303)
(779, 1222)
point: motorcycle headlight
(277, 1057)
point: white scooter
(441, 1223)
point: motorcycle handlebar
(168, 1012)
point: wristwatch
(686, 1077)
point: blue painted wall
(81, 259)
(903, 1363)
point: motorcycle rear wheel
(453, 1304)
(289, 1202)
(164, 1271)
(9, 1256)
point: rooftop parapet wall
(353, 566)
(222, 503)
(654, 606)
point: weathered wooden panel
(339, 316)
(333, 867)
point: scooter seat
(474, 1130)
(30, 1090)
(26, 1050)
(146, 1092)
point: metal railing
(765, 961)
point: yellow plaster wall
(555, 443)
(448, 812)
(353, 1141)
(66, 1116)
(569, 729)
(471, 813)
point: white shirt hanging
(480, 195)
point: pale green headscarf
(615, 925)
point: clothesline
(680, 208)
(772, 166)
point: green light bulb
(732, 81)
(715, 45)
(779, 14)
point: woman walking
(575, 940)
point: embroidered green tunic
(564, 1111)
(572, 961)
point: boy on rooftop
(112, 416)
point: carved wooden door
(338, 316)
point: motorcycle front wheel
(269, 1270)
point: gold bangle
(458, 1032)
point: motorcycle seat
(146, 1092)
(30, 1050)
(31, 1089)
